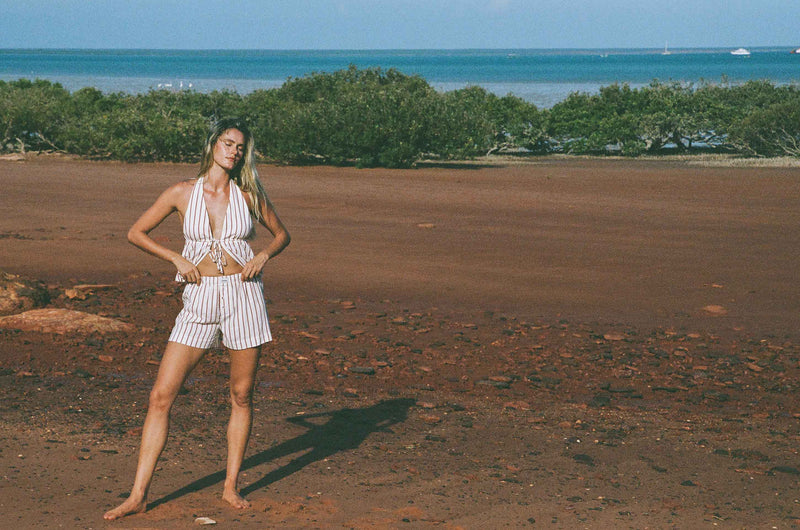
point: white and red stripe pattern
(227, 304)
(237, 228)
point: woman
(223, 293)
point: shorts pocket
(195, 307)
(188, 295)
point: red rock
(17, 294)
(715, 310)
(517, 405)
(94, 286)
(63, 321)
(73, 294)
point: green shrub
(368, 117)
(31, 114)
(371, 117)
(596, 124)
(773, 131)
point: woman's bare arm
(280, 240)
(168, 202)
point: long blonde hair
(244, 174)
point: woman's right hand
(187, 270)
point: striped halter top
(237, 228)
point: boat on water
(796, 50)
(744, 52)
(666, 50)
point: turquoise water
(543, 77)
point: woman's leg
(176, 364)
(244, 364)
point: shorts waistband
(221, 280)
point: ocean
(543, 77)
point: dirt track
(537, 332)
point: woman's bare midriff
(207, 267)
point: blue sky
(399, 24)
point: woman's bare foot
(128, 507)
(234, 499)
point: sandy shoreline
(536, 334)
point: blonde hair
(244, 174)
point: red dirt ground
(561, 342)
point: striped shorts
(223, 304)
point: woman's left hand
(254, 267)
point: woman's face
(229, 149)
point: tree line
(374, 117)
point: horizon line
(577, 49)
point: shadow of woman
(345, 429)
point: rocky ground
(375, 415)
